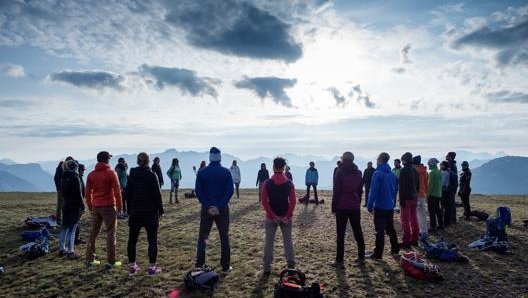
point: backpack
(443, 251)
(33, 235)
(415, 266)
(189, 195)
(292, 284)
(495, 228)
(35, 249)
(504, 213)
(201, 278)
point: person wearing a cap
(381, 202)
(453, 184)
(465, 189)
(175, 175)
(121, 170)
(421, 207)
(103, 198)
(408, 187)
(434, 195)
(346, 206)
(214, 188)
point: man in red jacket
(103, 198)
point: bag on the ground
(495, 238)
(35, 249)
(415, 266)
(292, 284)
(36, 222)
(201, 278)
(33, 235)
(480, 215)
(504, 213)
(190, 195)
(496, 228)
(442, 251)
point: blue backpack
(504, 213)
(442, 251)
(495, 228)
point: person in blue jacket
(311, 179)
(214, 188)
(381, 202)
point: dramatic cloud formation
(269, 87)
(13, 71)
(340, 99)
(507, 97)
(186, 80)
(89, 79)
(236, 28)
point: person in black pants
(145, 210)
(367, 180)
(465, 188)
(446, 193)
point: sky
(262, 77)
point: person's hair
(203, 164)
(174, 161)
(312, 163)
(143, 159)
(397, 160)
(347, 157)
(156, 159)
(384, 157)
(444, 164)
(279, 163)
(262, 165)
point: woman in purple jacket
(346, 203)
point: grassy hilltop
(487, 275)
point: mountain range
(491, 175)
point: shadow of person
(261, 287)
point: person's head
(450, 156)
(444, 165)
(175, 161)
(143, 159)
(71, 165)
(338, 163)
(347, 157)
(287, 168)
(69, 158)
(156, 160)
(215, 154)
(417, 160)
(203, 164)
(432, 162)
(103, 157)
(383, 158)
(312, 164)
(81, 169)
(397, 163)
(465, 165)
(262, 166)
(121, 161)
(278, 164)
(234, 162)
(369, 164)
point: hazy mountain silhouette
(32, 173)
(504, 175)
(10, 182)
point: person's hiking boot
(395, 252)
(153, 271)
(92, 264)
(431, 231)
(79, 241)
(359, 261)
(109, 266)
(405, 246)
(373, 256)
(338, 265)
(62, 252)
(227, 270)
(73, 256)
(414, 243)
(134, 269)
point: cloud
(340, 99)
(269, 87)
(186, 80)
(89, 79)
(235, 28)
(507, 97)
(399, 70)
(404, 54)
(15, 103)
(361, 97)
(511, 57)
(12, 70)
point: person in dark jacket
(408, 186)
(382, 199)
(287, 173)
(57, 179)
(367, 179)
(214, 188)
(262, 176)
(453, 184)
(338, 164)
(78, 239)
(446, 193)
(278, 200)
(346, 203)
(72, 207)
(311, 179)
(156, 168)
(145, 209)
(465, 188)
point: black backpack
(201, 278)
(292, 284)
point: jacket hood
(349, 166)
(69, 174)
(279, 178)
(101, 166)
(139, 172)
(384, 168)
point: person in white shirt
(235, 172)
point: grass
(487, 275)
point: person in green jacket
(175, 176)
(434, 195)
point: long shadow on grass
(342, 283)
(261, 287)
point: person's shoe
(266, 273)
(109, 266)
(431, 231)
(227, 270)
(79, 241)
(92, 264)
(154, 271)
(373, 256)
(73, 256)
(395, 252)
(405, 246)
(414, 243)
(338, 265)
(62, 252)
(359, 261)
(441, 228)
(177, 201)
(133, 270)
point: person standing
(121, 169)
(465, 189)
(156, 168)
(287, 173)
(145, 209)
(434, 196)
(446, 201)
(214, 188)
(421, 207)
(382, 199)
(346, 203)
(453, 184)
(367, 180)
(78, 239)
(174, 173)
(311, 179)
(278, 200)
(72, 208)
(235, 172)
(262, 176)
(103, 198)
(408, 186)
(57, 179)
(338, 164)
(397, 167)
